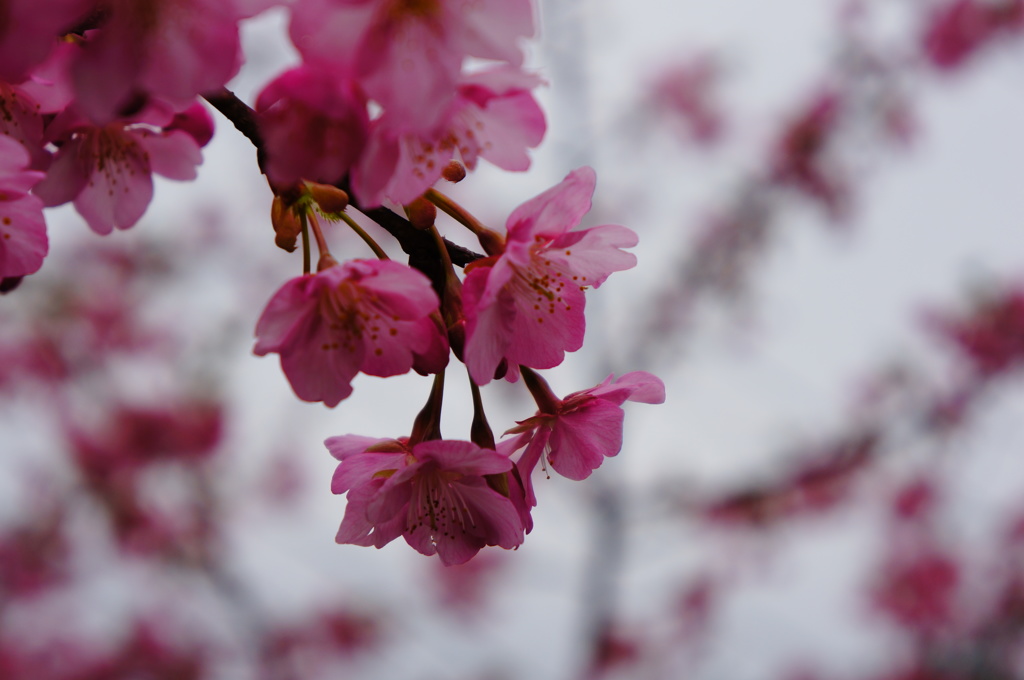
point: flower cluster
(390, 96)
(520, 308)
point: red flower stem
(493, 243)
(307, 265)
(546, 400)
(480, 432)
(318, 234)
(367, 239)
(427, 425)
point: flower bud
(454, 172)
(286, 224)
(421, 213)
(330, 199)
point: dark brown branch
(418, 245)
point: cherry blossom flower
(575, 434)
(173, 50)
(23, 241)
(434, 494)
(28, 33)
(493, 116)
(107, 170)
(408, 54)
(314, 125)
(364, 315)
(525, 306)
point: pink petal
(556, 210)
(593, 254)
(488, 327)
(174, 154)
(463, 457)
(581, 439)
(23, 242)
(119, 190)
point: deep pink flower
(364, 315)
(408, 54)
(28, 32)
(173, 50)
(960, 28)
(575, 434)
(314, 125)
(493, 116)
(23, 242)
(526, 305)
(434, 494)
(107, 170)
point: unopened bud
(286, 224)
(454, 172)
(330, 199)
(421, 213)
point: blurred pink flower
(493, 116)
(434, 494)
(35, 32)
(958, 29)
(107, 170)
(575, 434)
(408, 54)
(23, 241)
(364, 315)
(525, 306)
(173, 50)
(314, 125)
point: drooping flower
(434, 494)
(408, 54)
(314, 125)
(172, 50)
(363, 315)
(107, 170)
(23, 242)
(494, 116)
(575, 434)
(525, 306)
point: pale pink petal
(488, 327)
(285, 314)
(639, 386)
(15, 180)
(508, 126)
(346, 446)
(23, 242)
(174, 155)
(357, 529)
(582, 438)
(411, 69)
(405, 292)
(196, 121)
(593, 254)
(66, 176)
(493, 29)
(118, 191)
(329, 32)
(556, 210)
(319, 366)
(543, 330)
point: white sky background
(829, 306)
